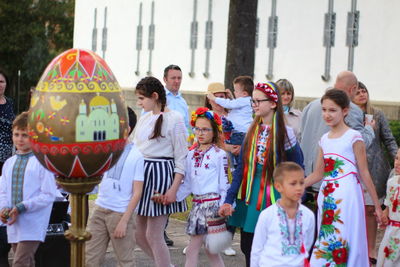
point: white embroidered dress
(277, 242)
(389, 250)
(342, 238)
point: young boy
(240, 110)
(27, 191)
(285, 231)
(112, 219)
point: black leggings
(246, 241)
(4, 247)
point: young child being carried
(240, 110)
(112, 219)
(285, 230)
(389, 250)
(27, 191)
(207, 178)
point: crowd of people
(245, 160)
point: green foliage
(395, 127)
(33, 32)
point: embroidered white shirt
(206, 175)
(272, 245)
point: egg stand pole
(77, 234)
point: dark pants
(246, 241)
(4, 247)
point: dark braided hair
(146, 87)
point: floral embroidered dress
(342, 239)
(389, 250)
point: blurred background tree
(33, 32)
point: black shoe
(372, 260)
(168, 241)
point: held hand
(385, 221)
(169, 197)
(379, 215)
(4, 215)
(225, 210)
(235, 150)
(157, 197)
(13, 216)
(120, 230)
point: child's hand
(169, 197)
(13, 216)
(157, 197)
(225, 210)
(385, 218)
(211, 96)
(120, 230)
(229, 93)
(379, 214)
(4, 215)
(235, 150)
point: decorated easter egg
(78, 122)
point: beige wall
(196, 99)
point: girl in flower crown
(267, 142)
(206, 177)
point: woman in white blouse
(161, 138)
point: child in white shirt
(285, 231)
(112, 219)
(206, 177)
(27, 191)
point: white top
(272, 246)
(116, 188)
(39, 192)
(240, 113)
(207, 174)
(172, 144)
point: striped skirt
(158, 177)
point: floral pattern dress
(342, 239)
(389, 250)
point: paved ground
(176, 231)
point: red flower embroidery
(387, 251)
(340, 256)
(328, 216)
(329, 165)
(329, 189)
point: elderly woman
(292, 116)
(378, 164)
(6, 119)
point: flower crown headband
(269, 89)
(206, 113)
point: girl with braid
(267, 142)
(161, 138)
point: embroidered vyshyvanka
(342, 238)
(389, 250)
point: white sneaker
(184, 251)
(230, 252)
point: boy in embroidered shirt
(27, 191)
(285, 231)
(112, 219)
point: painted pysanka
(78, 117)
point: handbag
(218, 238)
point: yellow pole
(77, 234)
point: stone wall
(196, 99)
